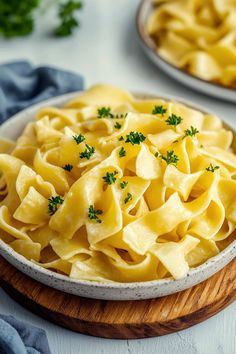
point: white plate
(109, 291)
(149, 47)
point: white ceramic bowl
(149, 47)
(109, 291)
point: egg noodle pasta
(198, 36)
(115, 188)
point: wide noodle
(155, 218)
(198, 36)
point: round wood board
(122, 319)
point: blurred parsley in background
(17, 17)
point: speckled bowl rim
(8, 253)
(150, 45)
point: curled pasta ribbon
(118, 188)
(197, 36)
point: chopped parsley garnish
(78, 138)
(159, 110)
(105, 112)
(123, 184)
(117, 125)
(67, 17)
(128, 198)
(212, 168)
(17, 18)
(68, 167)
(93, 214)
(121, 138)
(170, 158)
(157, 154)
(53, 204)
(110, 178)
(122, 152)
(191, 131)
(173, 120)
(88, 152)
(135, 138)
(121, 115)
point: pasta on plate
(198, 36)
(112, 187)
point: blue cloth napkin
(18, 337)
(22, 85)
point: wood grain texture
(123, 319)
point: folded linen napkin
(22, 85)
(18, 337)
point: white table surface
(106, 49)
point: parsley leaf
(88, 152)
(191, 131)
(68, 167)
(117, 125)
(78, 138)
(93, 214)
(157, 154)
(121, 115)
(159, 110)
(128, 198)
(123, 184)
(135, 138)
(53, 204)
(67, 18)
(16, 17)
(212, 168)
(110, 178)
(173, 120)
(170, 158)
(121, 138)
(105, 112)
(122, 152)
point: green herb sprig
(88, 152)
(93, 214)
(68, 167)
(53, 204)
(78, 138)
(117, 125)
(173, 120)
(135, 138)
(159, 110)
(191, 131)
(67, 17)
(157, 154)
(212, 168)
(170, 158)
(110, 178)
(17, 17)
(122, 152)
(120, 115)
(105, 112)
(128, 198)
(123, 184)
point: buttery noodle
(111, 188)
(198, 36)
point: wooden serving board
(122, 319)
